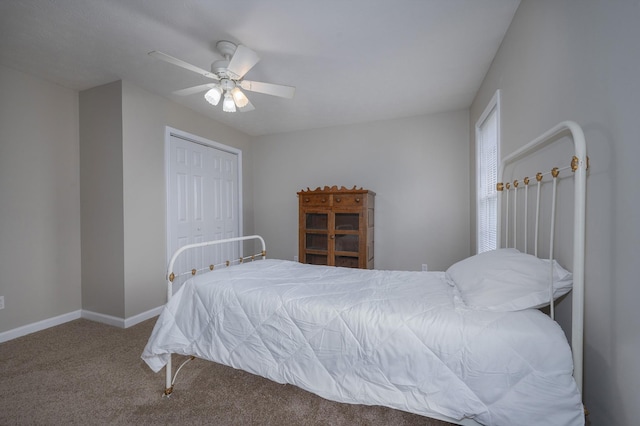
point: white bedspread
(398, 339)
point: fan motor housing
(219, 68)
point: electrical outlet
(1, 302)
(295, 258)
(424, 267)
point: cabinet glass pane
(347, 261)
(347, 221)
(346, 243)
(317, 221)
(316, 259)
(317, 242)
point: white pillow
(508, 280)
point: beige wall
(112, 136)
(416, 166)
(101, 199)
(579, 60)
(123, 194)
(145, 117)
(39, 200)
(123, 199)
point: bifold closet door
(202, 199)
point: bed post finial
(574, 163)
(500, 186)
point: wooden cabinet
(336, 227)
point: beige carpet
(86, 373)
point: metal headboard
(578, 165)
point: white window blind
(487, 135)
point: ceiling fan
(228, 74)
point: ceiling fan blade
(194, 89)
(269, 89)
(242, 61)
(175, 61)
(248, 107)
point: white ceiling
(351, 61)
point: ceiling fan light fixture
(229, 78)
(228, 105)
(239, 98)
(213, 96)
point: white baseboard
(136, 319)
(39, 326)
(92, 316)
(122, 322)
(103, 318)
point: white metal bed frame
(579, 165)
(171, 276)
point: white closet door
(202, 200)
(224, 206)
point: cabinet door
(347, 251)
(316, 238)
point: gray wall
(579, 60)
(39, 200)
(416, 166)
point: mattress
(400, 339)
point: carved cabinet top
(334, 189)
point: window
(487, 142)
